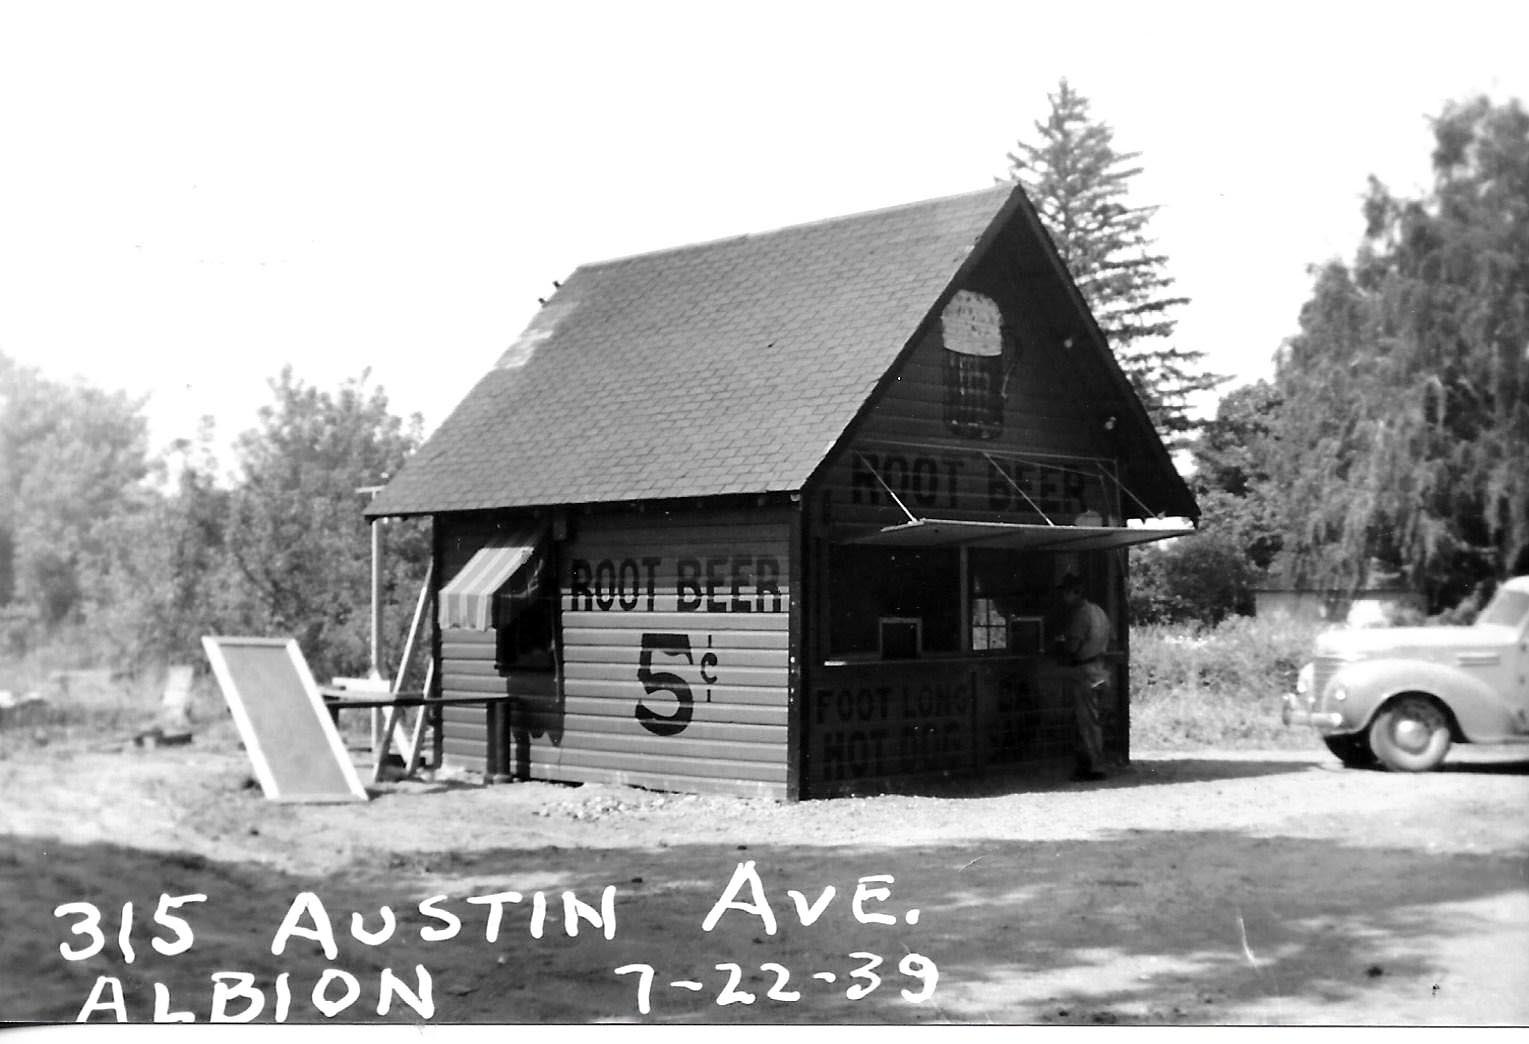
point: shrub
(1217, 686)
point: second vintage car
(1402, 695)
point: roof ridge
(835, 219)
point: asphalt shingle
(723, 367)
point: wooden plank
(575, 759)
(463, 719)
(470, 684)
(729, 659)
(499, 684)
(742, 713)
(772, 791)
(664, 556)
(683, 540)
(719, 623)
(631, 636)
(679, 530)
(458, 666)
(465, 730)
(701, 728)
(751, 677)
(756, 789)
(629, 691)
(666, 600)
(416, 751)
(385, 742)
(742, 756)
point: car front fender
(1480, 713)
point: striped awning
(509, 565)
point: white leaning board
(292, 742)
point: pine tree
(1079, 184)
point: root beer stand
(784, 514)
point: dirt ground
(1205, 887)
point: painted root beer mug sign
(973, 333)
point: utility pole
(376, 673)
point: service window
(525, 620)
(1010, 596)
(893, 603)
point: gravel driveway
(1198, 887)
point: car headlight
(1304, 679)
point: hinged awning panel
(467, 601)
(939, 532)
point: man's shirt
(1088, 631)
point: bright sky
(193, 194)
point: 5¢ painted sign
(674, 666)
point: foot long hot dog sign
(675, 667)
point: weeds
(1217, 686)
(1191, 686)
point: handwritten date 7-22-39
(863, 980)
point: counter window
(893, 603)
(1010, 595)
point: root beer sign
(960, 483)
(718, 584)
(674, 668)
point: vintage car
(1402, 695)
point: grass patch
(68, 689)
(1221, 686)
(1191, 686)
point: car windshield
(1508, 609)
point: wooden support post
(419, 613)
(417, 740)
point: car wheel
(1353, 750)
(1410, 734)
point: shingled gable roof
(728, 367)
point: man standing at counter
(1084, 638)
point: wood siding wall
(467, 669)
(676, 653)
(869, 724)
(904, 443)
(675, 660)
(1056, 404)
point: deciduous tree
(1404, 436)
(71, 456)
(160, 578)
(296, 535)
(1231, 477)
